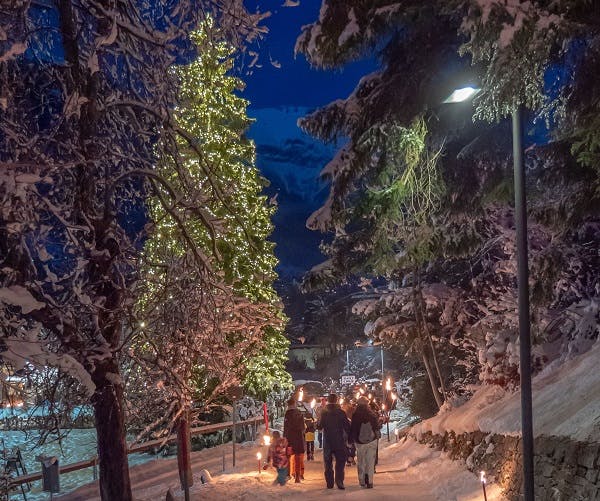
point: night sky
(288, 158)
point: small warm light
(482, 477)
(341, 401)
(258, 456)
(394, 397)
(388, 384)
(313, 402)
(396, 432)
(460, 95)
(370, 396)
(301, 395)
(382, 407)
(142, 324)
(362, 391)
(357, 395)
(267, 439)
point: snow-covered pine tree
(468, 244)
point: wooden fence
(151, 444)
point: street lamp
(464, 94)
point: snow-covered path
(406, 471)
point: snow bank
(566, 402)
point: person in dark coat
(336, 428)
(366, 441)
(293, 430)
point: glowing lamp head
(267, 439)
(258, 456)
(461, 95)
(482, 477)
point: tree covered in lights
(231, 233)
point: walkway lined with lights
(407, 471)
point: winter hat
(363, 401)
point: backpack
(366, 434)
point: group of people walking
(337, 433)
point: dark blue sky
(295, 83)
(289, 159)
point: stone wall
(565, 470)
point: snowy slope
(566, 402)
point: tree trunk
(110, 428)
(436, 393)
(437, 366)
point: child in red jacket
(278, 457)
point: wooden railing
(151, 444)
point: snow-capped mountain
(291, 160)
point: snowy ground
(407, 471)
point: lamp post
(460, 95)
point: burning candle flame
(388, 384)
(267, 439)
(301, 395)
(482, 477)
(357, 395)
(370, 396)
(258, 456)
